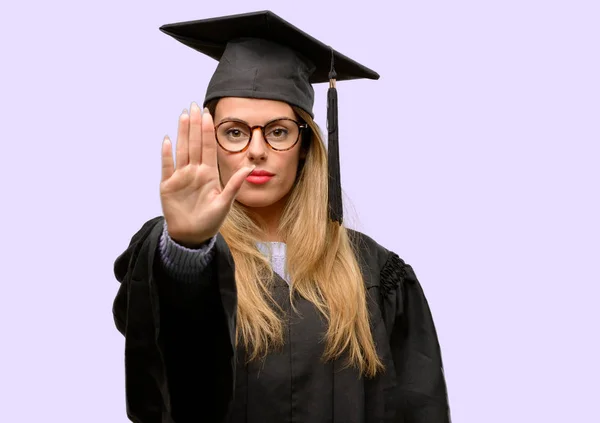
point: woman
(247, 301)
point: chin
(258, 199)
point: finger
(209, 141)
(168, 166)
(235, 184)
(195, 137)
(182, 139)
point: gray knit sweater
(186, 264)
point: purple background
(475, 157)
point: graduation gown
(182, 364)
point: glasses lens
(282, 134)
(233, 136)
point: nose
(258, 149)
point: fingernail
(206, 110)
(194, 106)
(184, 112)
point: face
(282, 164)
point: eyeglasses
(234, 135)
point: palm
(188, 179)
(190, 186)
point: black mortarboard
(263, 56)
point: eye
(234, 133)
(278, 132)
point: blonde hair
(321, 262)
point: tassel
(335, 189)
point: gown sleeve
(179, 336)
(421, 392)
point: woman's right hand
(193, 203)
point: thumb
(235, 183)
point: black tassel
(335, 188)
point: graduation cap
(263, 56)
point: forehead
(252, 110)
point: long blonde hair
(321, 262)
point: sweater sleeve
(181, 263)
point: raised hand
(193, 203)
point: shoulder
(130, 256)
(368, 248)
(382, 267)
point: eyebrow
(234, 119)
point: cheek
(291, 166)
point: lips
(257, 172)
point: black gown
(181, 363)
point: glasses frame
(301, 128)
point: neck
(269, 217)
